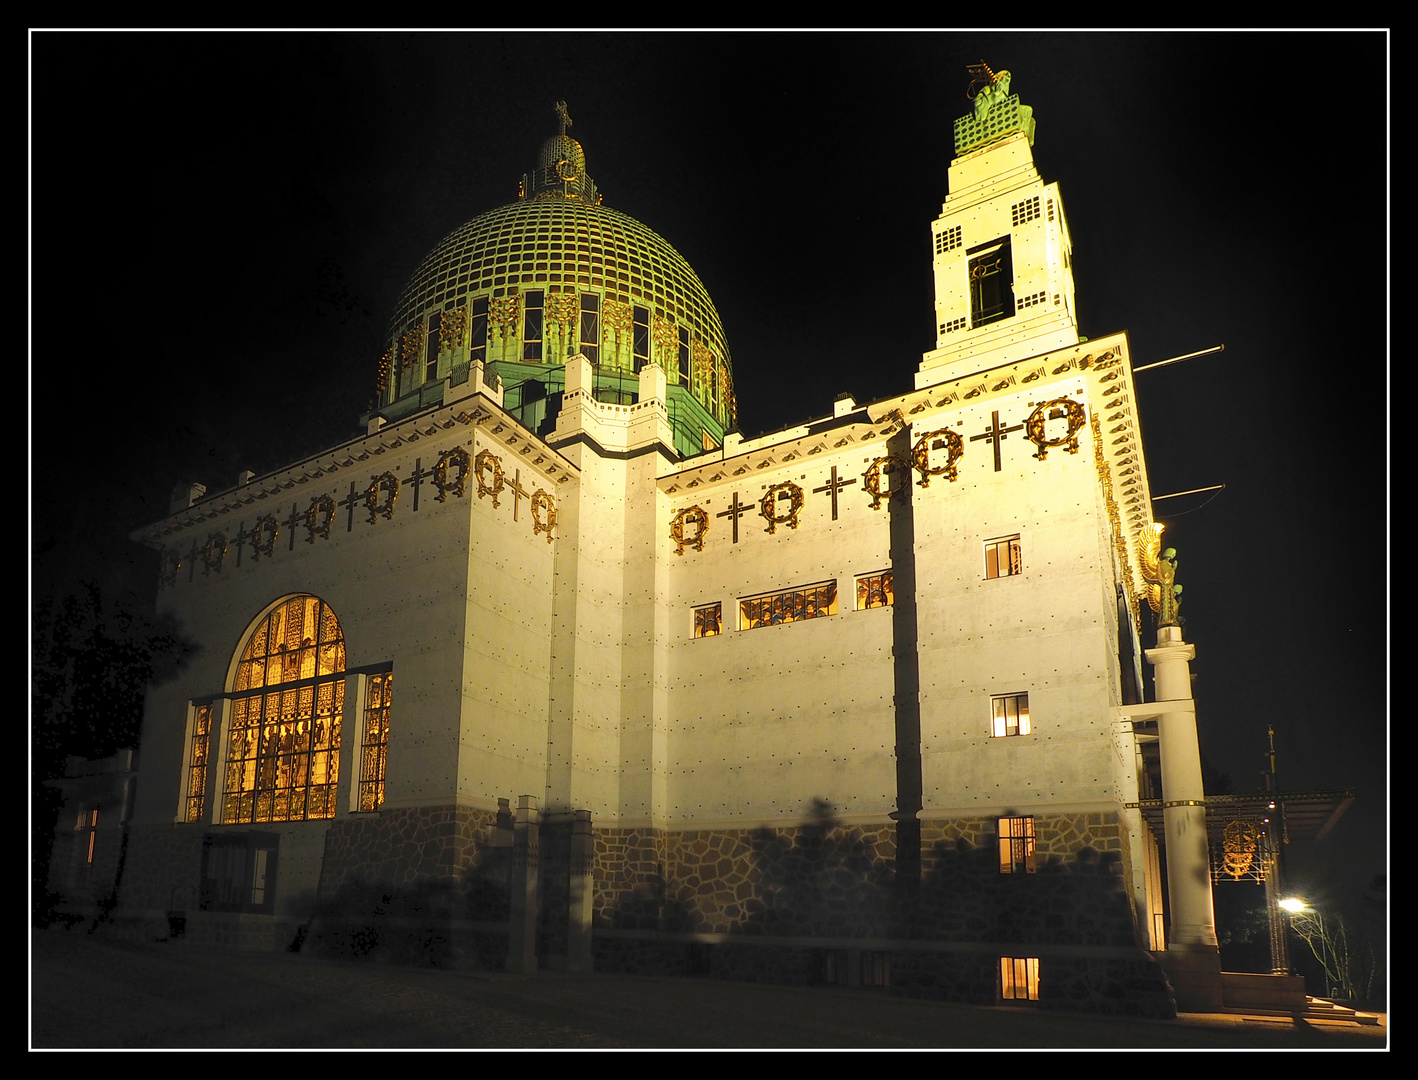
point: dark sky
(221, 224)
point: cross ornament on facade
(996, 435)
(518, 492)
(241, 537)
(417, 479)
(832, 487)
(355, 498)
(296, 518)
(735, 511)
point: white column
(1195, 969)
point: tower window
(1019, 978)
(1010, 715)
(1002, 557)
(991, 283)
(947, 240)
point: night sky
(220, 225)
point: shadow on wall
(826, 879)
(428, 922)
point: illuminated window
(283, 741)
(1016, 845)
(708, 620)
(875, 590)
(1002, 557)
(795, 605)
(1019, 978)
(1010, 715)
(378, 698)
(197, 766)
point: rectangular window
(434, 342)
(1002, 557)
(1019, 978)
(708, 620)
(590, 337)
(875, 590)
(794, 605)
(1010, 715)
(477, 331)
(1016, 845)
(197, 764)
(379, 698)
(640, 347)
(532, 325)
(991, 283)
(239, 872)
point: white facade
(540, 623)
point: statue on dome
(563, 118)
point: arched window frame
(281, 730)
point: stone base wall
(828, 880)
(424, 885)
(661, 894)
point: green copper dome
(523, 287)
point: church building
(551, 667)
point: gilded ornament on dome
(768, 508)
(319, 516)
(485, 464)
(452, 326)
(504, 312)
(386, 364)
(665, 336)
(563, 307)
(543, 513)
(387, 483)
(696, 516)
(617, 316)
(412, 345)
(944, 439)
(871, 479)
(1063, 408)
(213, 553)
(263, 536)
(458, 458)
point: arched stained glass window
(283, 743)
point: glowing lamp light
(1293, 905)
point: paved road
(91, 992)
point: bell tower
(1002, 255)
